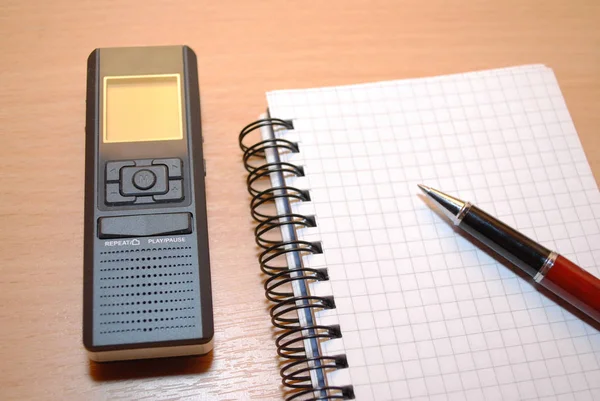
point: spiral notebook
(377, 297)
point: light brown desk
(244, 48)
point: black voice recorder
(147, 289)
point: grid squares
(424, 313)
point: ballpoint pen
(549, 269)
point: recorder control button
(113, 170)
(175, 192)
(144, 225)
(143, 199)
(173, 165)
(114, 197)
(144, 181)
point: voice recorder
(147, 289)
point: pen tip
(424, 188)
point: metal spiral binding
(296, 373)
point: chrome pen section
(522, 251)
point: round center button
(144, 179)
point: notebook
(375, 296)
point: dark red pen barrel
(576, 286)
(564, 278)
(550, 270)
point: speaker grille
(146, 294)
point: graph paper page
(426, 314)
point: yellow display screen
(142, 108)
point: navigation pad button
(174, 166)
(144, 181)
(175, 192)
(113, 170)
(114, 197)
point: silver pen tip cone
(449, 205)
(424, 188)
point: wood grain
(244, 49)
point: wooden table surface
(244, 49)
